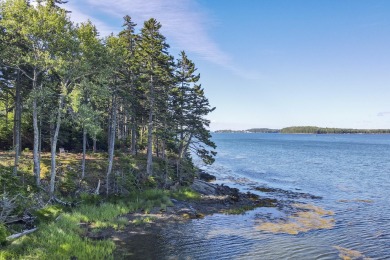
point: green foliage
(185, 194)
(150, 182)
(3, 234)
(88, 198)
(48, 214)
(143, 220)
(10, 182)
(59, 240)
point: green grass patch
(59, 240)
(143, 220)
(48, 213)
(185, 194)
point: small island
(309, 130)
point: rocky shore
(213, 199)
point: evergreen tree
(154, 55)
(190, 107)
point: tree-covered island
(309, 130)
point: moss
(240, 210)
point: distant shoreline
(308, 130)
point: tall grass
(65, 238)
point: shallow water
(350, 172)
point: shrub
(48, 213)
(3, 234)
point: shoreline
(214, 199)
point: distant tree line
(322, 130)
(309, 130)
(61, 85)
(252, 130)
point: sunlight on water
(333, 201)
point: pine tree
(130, 74)
(154, 55)
(190, 107)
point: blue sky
(274, 63)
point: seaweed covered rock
(206, 176)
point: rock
(204, 188)
(206, 176)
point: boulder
(206, 176)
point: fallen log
(14, 236)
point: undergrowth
(60, 235)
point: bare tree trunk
(84, 151)
(112, 144)
(17, 122)
(54, 141)
(36, 159)
(149, 163)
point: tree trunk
(133, 136)
(37, 168)
(84, 151)
(157, 147)
(183, 152)
(17, 123)
(149, 166)
(94, 144)
(179, 154)
(112, 144)
(54, 141)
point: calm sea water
(350, 172)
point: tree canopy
(61, 85)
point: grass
(62, 235)
(65, 238)
(143, 220)
(59, 240)
(185, 194)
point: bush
(48, 213)
(3, 234)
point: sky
(273, 63)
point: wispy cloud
(386, 113)
(184, 22)
(79, 16)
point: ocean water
(347, 176)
